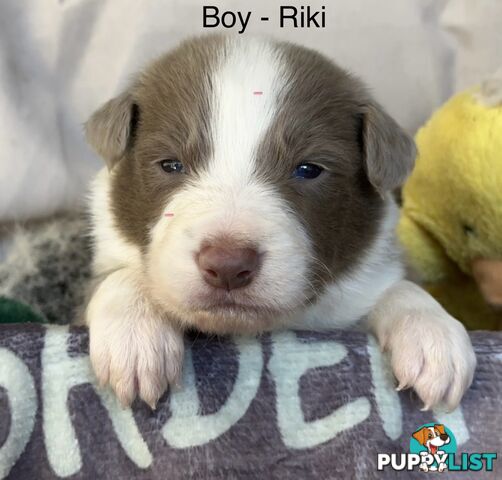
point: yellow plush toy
(451, 222)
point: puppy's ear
(389, 153)
(440, 427)
(419, 436)
(111, 128)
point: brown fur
(172, 100)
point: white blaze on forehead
(246, 85)
(227, 199)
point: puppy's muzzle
(227, 268)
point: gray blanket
(299, 405)
(292, 405)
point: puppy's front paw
(141, 359)
(431, 352)
(131, 346)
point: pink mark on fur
(168, 214)
(257, 93)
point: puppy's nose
(443, 436)
(228, 268)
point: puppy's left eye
(307, 171)
(172, 166)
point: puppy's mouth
(240, 306)
(227, 303)
(227, 313)
(244, 304)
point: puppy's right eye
(307, 171)
(172, 166)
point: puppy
(248, 188)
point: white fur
(112, 250)
(429, 350)
(132, 347)
(239, 117)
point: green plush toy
(12, 311)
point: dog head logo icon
(432, 438)
(433, 442)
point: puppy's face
(432, 437)
(250, 174)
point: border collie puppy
(248, 188)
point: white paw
(423, 467)
(137, 361)
(442, 467)
(429, 350)
(131, 347)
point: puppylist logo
(433, 448)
